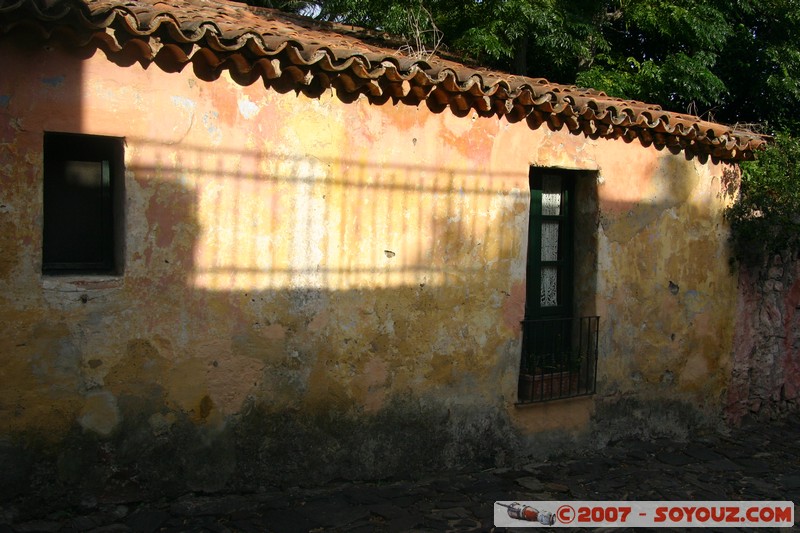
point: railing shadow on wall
(407, 264)
(261, 224)
(331, 284)
(310, 284)
(267, 220)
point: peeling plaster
(247, 108)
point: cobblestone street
(756, 462)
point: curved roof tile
(293, 51)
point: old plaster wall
(314, 288)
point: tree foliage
(765, 219)
(300, 7)
(760, 65)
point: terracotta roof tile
(292, 52)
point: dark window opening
(559, 346)
(82, 204)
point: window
(82, 204)
(559, 349)
(549, 290)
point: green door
(548, 305)
(549, 270)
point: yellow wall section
(312, 254)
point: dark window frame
(559, 348)
(82, 212)
(564, 263)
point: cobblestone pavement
(758, 462)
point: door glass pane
(549, 296)
(550, 241)
(551, 195)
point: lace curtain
(551, 205)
